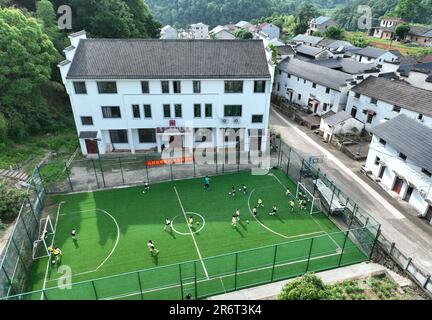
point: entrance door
(92, 146)
(397, 185)
(429, 214)
(381, 172)
(408, 194)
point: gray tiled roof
(419, 31)
(347, 65)
(308, 39)
(404, 70)
(406, 135)
(321, 19)
(308, 50)
(337, 118)
(168, 59)
(371, 52)
(327, 77)
(396, 93)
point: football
(247, 221)
(198, 223)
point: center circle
(197, 218)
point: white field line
(109, 255)
(192, 234)
(49, 257)
(271, 230)
(396, 213)
(220, 277)
(319, 224)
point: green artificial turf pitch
(113, 227)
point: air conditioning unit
(223, 120)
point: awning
(88, 135)
(400, 176)
(371, 112)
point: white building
(418, 75)
(400, 159)
(244, 25)
(200, 31)
(307, 39)
(138, 94)
(377, 99)
(339, 123)
(374, 55)
(387, 28)
(320, 24)
(269, 29)
(221, 33)
(168, 32)
(318, 88)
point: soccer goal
(313, 201)
(45, 235)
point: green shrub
(308, 287)
(10, 202)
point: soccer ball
(247, 221)
(198, 223)
(240, 189)
(229, 193)
(143, 192)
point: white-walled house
(387, 28)
(339, 123)
(400, 159)
(137, 94)
(168, 32)
(307, 39)
(377, 99)
(418, 74)
(199, 31)
(319, 88)
(269, 29)
(374, 55)
(320, 24)
(221, 33)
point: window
(233, 86)
(369, 118)
(299, 97)
(147, 111)
(177, 86)
(80, 87)
(197, 110)
(353, 112)
(167, 111)
(289, 76)
(147, 135)
(357, 95)
(165, 86)
(420, 116)
(178, 110)
(118, 136)
(257, 118)
(233, 111)
(208, 110)
(136, 111)
(313, 85)
(396, 109)
(324, 107)
(377, 161)
(373, 101)
(87, 121)
(402, 156)
(107, 87)
(426, 172)
(111, 112)
(278, 86)
(382, 141)
(327, 90)
(197, 87)
(145, 87)
(259, 86)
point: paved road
(399, 224)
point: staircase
(14, 174)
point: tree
(10, 202)
(25, 66)
(334, 32)
(402, 30)
(306, 13)
(308, 287)
(358, 39)
(243, 34)
(46, 14)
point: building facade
(320, 24)
(168, 32)
(399, 159)
(199, 31)
(151, 94)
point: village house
(387, 28)
(374, 55)
(199, 31)
(269, 29)
(146, 93)
(221, 33)
(304, 51)
(418, 74)
(320, 24)
(339, 123)
(399, 159)
(168, 32)
(307, 39)
(317, 88)
(420, 35)
(376, 99)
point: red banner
(163, 162)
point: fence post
(216, 156)
(353, 216)
(121, 169)
(343, 248)
(331, 201)
(181, 281)
(195, 280)
(408, 263)
(393, 245)
(235, 275)
(428, 277)
(101, 169)
(310, 253)
(41, 180)
(193, 160)
(68, 175)
(32, 210)
(316, 179)
(301, 171)
(274, 263)
(280, 152)
(171, 171)
(94, 288)
(94, 169)
(289, 160)
(139, 282)
(146, 165)
(375, 242)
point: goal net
(45, 236)
(313, 202)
